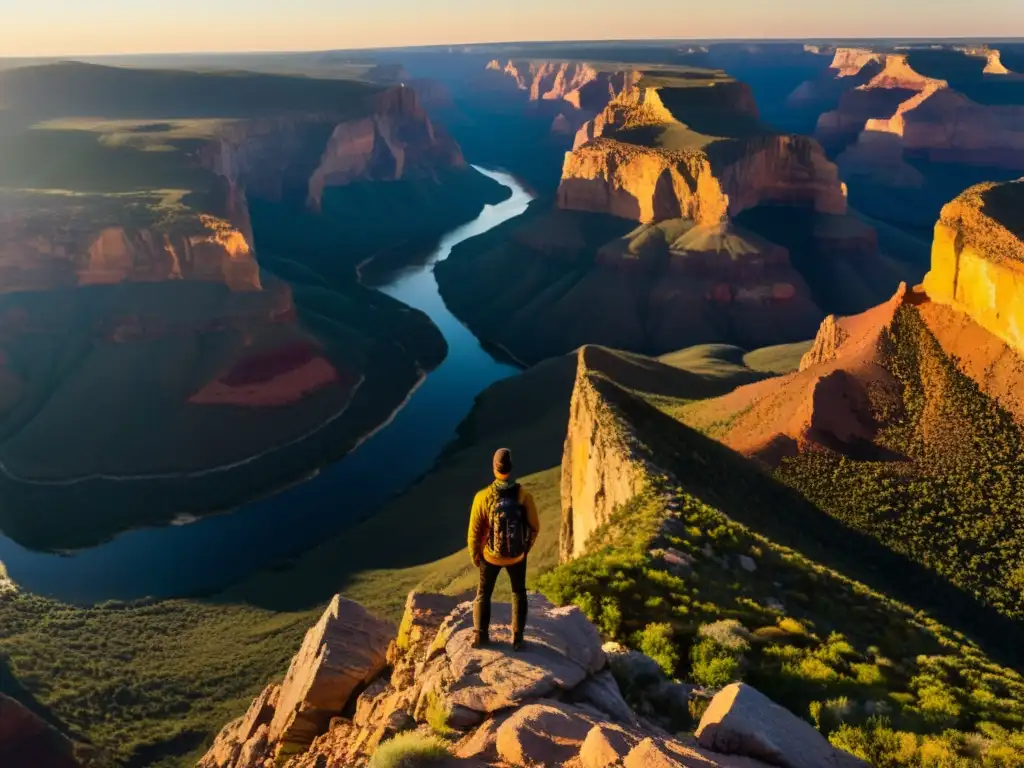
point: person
(503, 526)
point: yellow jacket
(479, 526)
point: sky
(93, 27)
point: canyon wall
(576, 84)
(48, 243)
(650, 184)
(978, 259)
(397, 141)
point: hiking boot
(480, 640)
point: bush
(728, 633)
(410, 750)
(713, 665)
(656, 640)
(437, 714)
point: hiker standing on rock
(503, 526)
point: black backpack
(508, 523)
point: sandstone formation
(893, 113)
(397, 141)
(344, 651)
(27, 741)
(660, 286)
(978, 259)
(553, 704)
(617, 168)
(641, 183)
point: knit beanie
(502, 463)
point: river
(216, 551)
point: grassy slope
(836, 651)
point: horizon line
(481, 44)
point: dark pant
(485, 588)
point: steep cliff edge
(978, 259)
(602, 468)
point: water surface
(216, 551)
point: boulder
(742, 721)
(543, 734)
(562, 649)
(652, 753)
(606, 745)
(602, 693)
(342, 653)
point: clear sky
(81, 27)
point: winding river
(216, 551)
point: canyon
(197, 253)
(834, 521)
(683, 154)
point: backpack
(508, 523)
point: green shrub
(410, 750)
(656, 640)
(437, 714)
(713, 665)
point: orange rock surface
(978, 259)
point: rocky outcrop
(633, 108)
(641, 183)
(552, 704)
(601, 469)
(641, 160)
(396, 141)
(344, 651)
(27, 741)
(978, 259)
(993, 59)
